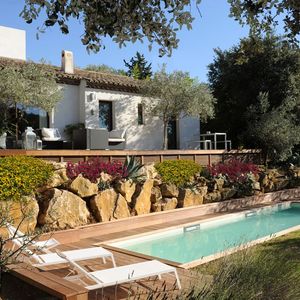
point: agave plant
(131, 168)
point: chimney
(67, 62)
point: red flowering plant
(238, 174)
(93, 168)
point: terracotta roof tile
(93, 79)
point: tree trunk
(165, 144)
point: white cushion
(116, 140)
(51, 134)
(117, 134)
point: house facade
(102, 100)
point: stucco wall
(79, 106)
(12, 43)
(66, 111)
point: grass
(267, 271)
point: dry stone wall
(65, 203)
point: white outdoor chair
(20, 238)
(51, 258)
(50, 134)
(119, 275)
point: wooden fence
(203, 157)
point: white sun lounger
(51, 258)
(19, 238)
(74, 255)
(123, 274)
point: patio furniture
(19, 239)
(90, 138)
(119, 275)
(117, 139)
(214, 140)
(51, 138)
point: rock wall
(65, 203)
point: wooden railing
(203, 157)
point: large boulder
(169, 203)
(83, 187)
(21, 213)
(214, 196)
(126, 189)
(188, 197)
(121, 208)
(227, 193)
(109, 205)
(156, 195)
(142, 199)
(103, 205)
(149, 171)
(169, 190)
(62, 209)
(58, 178)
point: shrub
(234, 170)
(22, 175)
(178, 172)
(93, 168)
(132, 169)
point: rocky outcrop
(62, 209)
(126, 189)
(169, 203)
(214, 196)
(142, 201)
(189, 198)
(21, 213)
(169, 190)
(103, 205)
(83, 187)
(121, 208)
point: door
(172, 134)
(105, 115)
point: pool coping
(206, 259)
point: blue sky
(211, 30)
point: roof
(99, 80)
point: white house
(104, 100)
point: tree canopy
(124, 21)
(138, 67)
(157, 21)
(105, 69)
(239, 76)
(265, 15)
(28, 85)
(176, 95)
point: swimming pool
(208, 239)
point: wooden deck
(51, 278)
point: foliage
(237, 174)
(176, 95)
(28, 85)
(8, 254)
(276, 131)
(178, 172)
(21, 176)
(234, 170)
(92, 169)
(105, 69)
(238, 76)
(123, 21)
(132, 168)
(138, 68)
(71, 127)
(263, 16)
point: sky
(213, 29)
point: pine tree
(138, 67)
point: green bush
(178, 172)
(21, 176)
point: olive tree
(176, 95)
(28, 85)
(157, 21)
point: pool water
(194, 242)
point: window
(105, 115)
(140, 114)
(28, 116)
